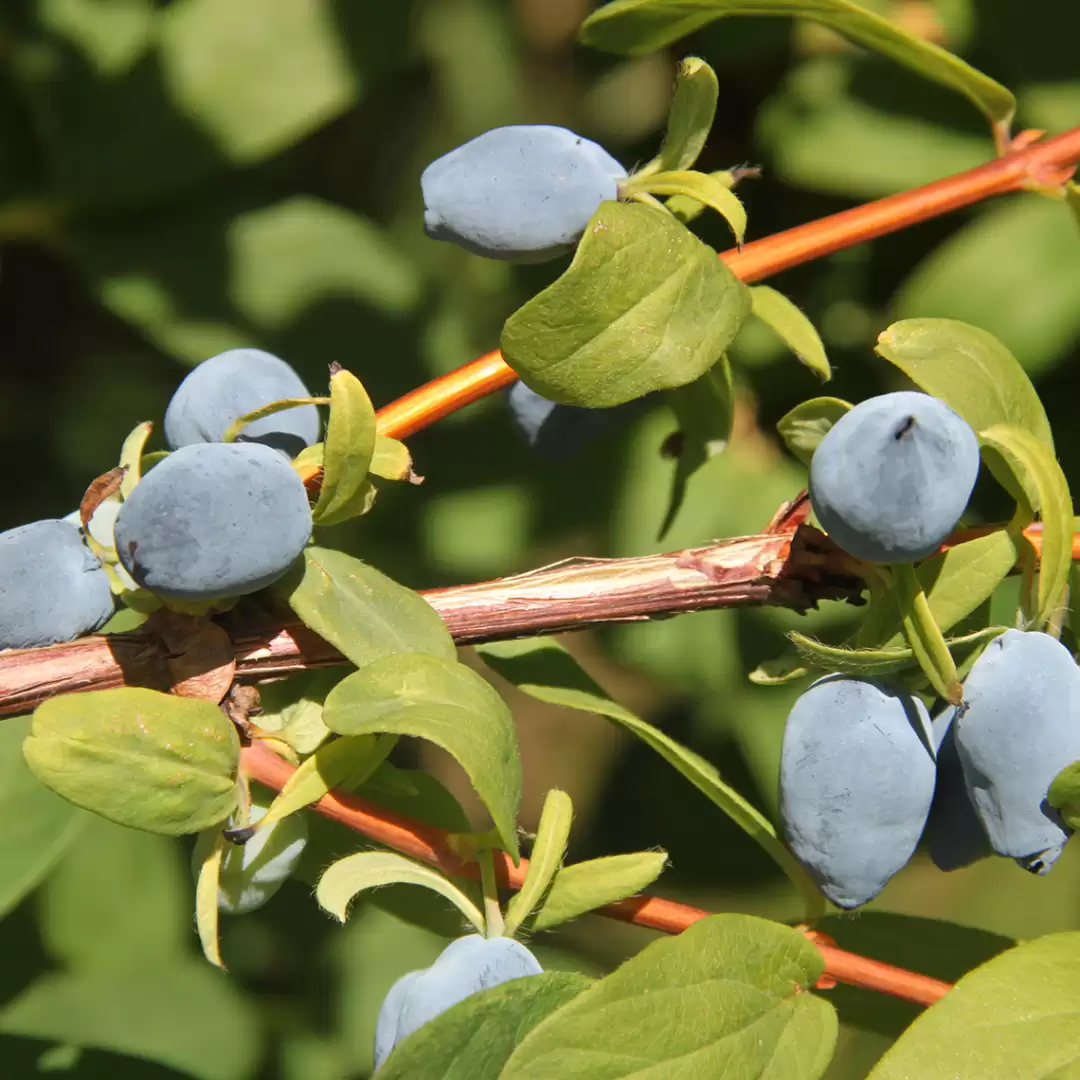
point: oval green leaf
(690, 119)
(792, 326)
(585, 886)
(968, 369)
(348, 877)
(347, 451)
(361, 612)
(702, 188)
(1015, 1018)
(1064, 794)
(440, 700)
(138, 757)
(643, 26)
(726, 997)
(549, 850)
(803, 428)
(644, 306)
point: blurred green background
(182, 176)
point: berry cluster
(211, 521)
(864, 772)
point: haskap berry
(214, 520)
(891, 479)
(556, 433)
(465, 967)
(52, 586)
(252, 872)
(1018, 727)
(954, 834)
(856, 782)
(232, 384)
(521, 193)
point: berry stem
(1038, 165)
(924, 635)
(493, 917)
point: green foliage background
(182, 176)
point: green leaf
(705, 410)
(543, 669)
(361, 612)
(549, 850)
(473, 1039)
(345, 762)
(1015, 1018)
(643, 26)
(151, 1015)
(440, 700)
(644, 306)
(690, 119)
(138, 757)
(39, 827)
(807, 424)
(701, 187)
(956, 582)
(348, 449)
(726, 997)
(233, 431)
(782, 669)
(687, 209)
(1034, 470)
(880, 661)
(1064, 794)
(793, 327)
(207, 890)
(372, 870)
(117, 900)
(968, 369)
(584, 886)
(391, 460)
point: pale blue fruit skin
(52, 586)
(214, 520)
(558, 433)
(1018, 728)
(954, 834)
(386, 1026)
(465, 967)
(230, 385)
(856, 783)
(894, 475)
(521, 193)
(252, 872)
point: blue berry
(465, 967)
(523, 194)
(52, 586)
(557, 433)
(954, 834)
(214, 520)
(892, 478)
(856, 782)
(232, 384)
(1018, 727)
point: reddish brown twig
(428, 844)
(1035, 165)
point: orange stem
(431, 845)
(1036, 165)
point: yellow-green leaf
(347, 450)
(797, 332)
